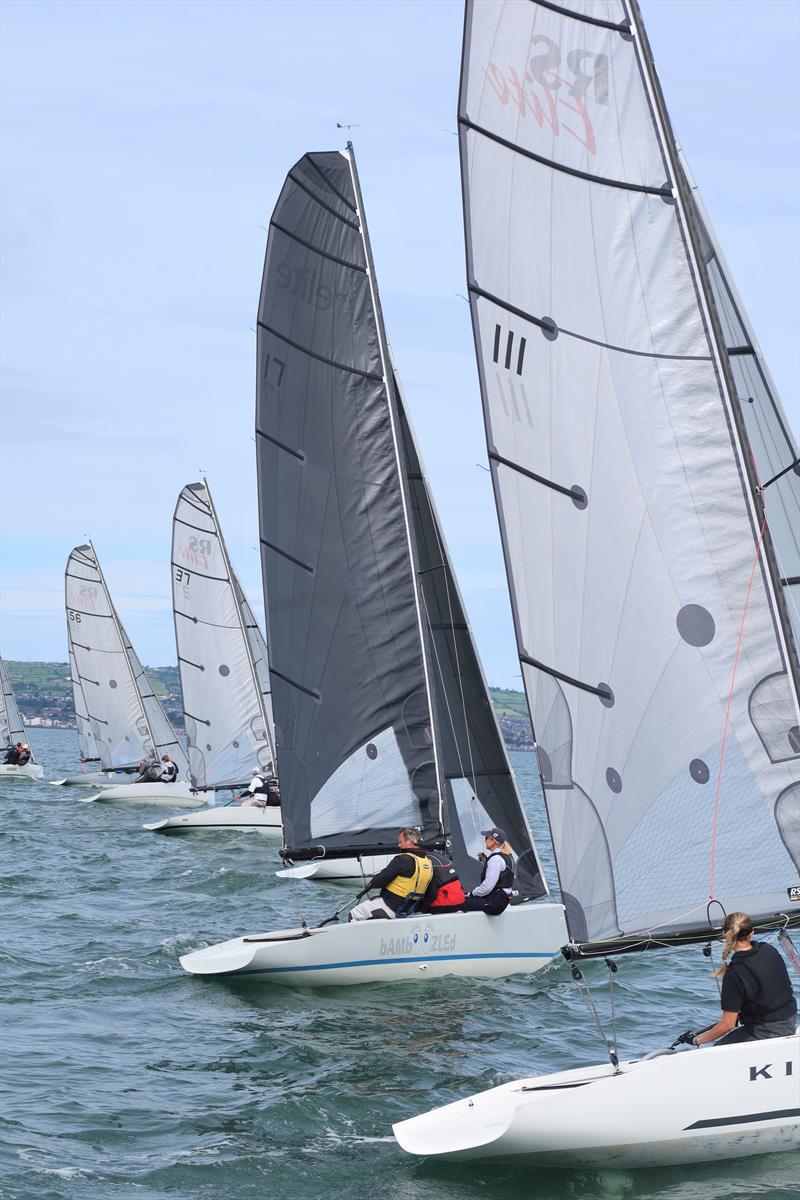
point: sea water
(126, 1079)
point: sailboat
(382, 714)
(648, 495)
(124, 714)
(12, 731)
(90, 759)
(224, 677)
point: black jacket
(757, 986)
(402, 864)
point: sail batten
(227, 717)
(630, 582)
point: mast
(245, 637)
(740, 439)
(388, 377)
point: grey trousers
(756, 1032)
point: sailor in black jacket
(756, 990)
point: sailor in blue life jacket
(405, 883)
(756, 995)
(493, 892)
(169, 770)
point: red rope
(730, 702)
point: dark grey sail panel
(481, 790)
(350, 700)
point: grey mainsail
(373, 729)
(227, 726)
(125, 715)
(634, 540)
(12, 727)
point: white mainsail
(228, 724)
(12, 727)
(125, 715)
(634, 542)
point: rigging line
(756, 558)
(586, 994)
(793, 466)
(472, 813)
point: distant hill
(43, 691)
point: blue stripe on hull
(388, 962)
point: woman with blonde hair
(756, 993)
(493, 893)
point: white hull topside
(176, 795)
(692, 1106)
(31, 770)
(94, 779)
(522, 939)
(228, 816)
(338, 870)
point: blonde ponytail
(735, 926)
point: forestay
(126, 717)
(12, 729)
(226, 723)
(631, 533)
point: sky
(143, 147)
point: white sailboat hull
(230, 816)
(721, 1102)
(29, 771)
(523, 939)
(176, 795)
(93, 779)
(338, 870)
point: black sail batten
(481, 789)
(351, 698)
(653, 939)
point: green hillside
(43, 690)
(508, 703)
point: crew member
(756, 993)
(493, 892)
(449, 892)
(169, 770)
(262, 791)
(12, 754)
(24, 754)
(405, 883)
